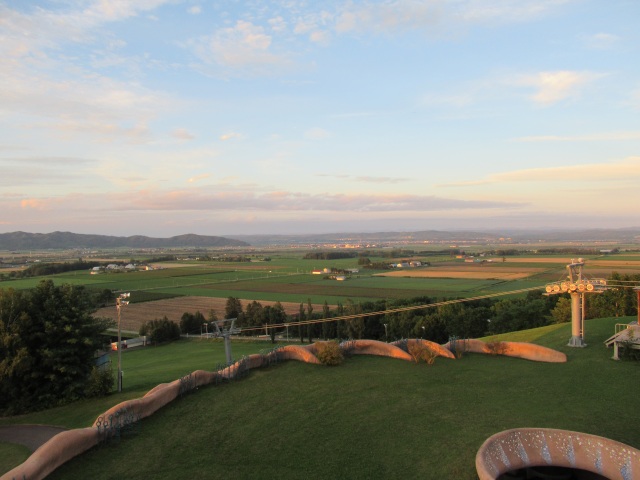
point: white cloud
(317, 133)
(39, 81)
(277, 24)
(366, 178)
(553, 87)
(601, 41)
(182, 134)
(197, 178)
(595, 137)
(243, 48)
(393, 16)
(195, 10)
(230, 136)
(626, 170)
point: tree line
(470, 319)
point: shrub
(329, 353)
(101, 382)
(420, 352)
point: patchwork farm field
(189, 286)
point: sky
(228, 117)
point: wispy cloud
(245, 48)
(623, 170)
(230, 136)
(317, 133)
(235, 199)
(393, 16)
(40, 81)
(198, 178)
(594, 137)
(601, 41)
(182, 134)
(554, 86)
(366, 178)
(24, 171)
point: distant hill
(622, 235)
(65, 240)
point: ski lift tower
(225, 328)
(576, 286)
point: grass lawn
(12, 455)
(371, 417)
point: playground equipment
(576, 285)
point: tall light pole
(120, 301)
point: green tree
(192, 322)
(301, 318)
(562, 311)
(309, 317)
(160, 330)
(233, 308)
(326, 326)
(252, 316)
(48, 338)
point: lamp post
(120, 301)
(386, 337)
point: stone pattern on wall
(515, 449)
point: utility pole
(120, 302)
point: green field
(287, 278)
(372, 417)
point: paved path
(31, 436)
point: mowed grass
(12, 455)
(371, 417)
(143, 369)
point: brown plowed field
(449, 273)
(135, 314)
(468, 270)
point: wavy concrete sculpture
(296, 352)
(528, 351)
(436, 348)
(512, 450)
(375, 347)
(71, 443)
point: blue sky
(164, 117)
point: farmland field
(187, 286)
(135, 314)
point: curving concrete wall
(375, 347)
(528, 351)
(296, 352)
(433, 346)
(534, 447)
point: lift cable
(384, 312)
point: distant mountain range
(65, 240)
